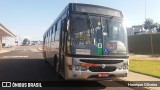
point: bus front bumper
(88, 75)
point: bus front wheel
(56, 69)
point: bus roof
(88, 8)
(95, 9)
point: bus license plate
(103, 75)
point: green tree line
(150, 24)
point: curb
(3, 51)
(125, 83)
(145, 74)
(7, 50)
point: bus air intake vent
(101, 61)
(100, 69)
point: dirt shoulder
(143, 57)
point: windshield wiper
(89, 23)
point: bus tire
(56, 69)
(54, 63)
(45, 59)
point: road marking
(34, 50)
(15, 57)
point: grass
(148, 67)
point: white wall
(9, 41)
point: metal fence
(144, 44)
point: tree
(26, 41)
(157, 27)
(148, 24)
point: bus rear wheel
(45, 59)
(54, 64)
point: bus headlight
(79, 68)
(124, 66)
(120, 67)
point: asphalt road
(25, 63)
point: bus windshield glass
(96, 35)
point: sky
(31, 18)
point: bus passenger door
(62, 45)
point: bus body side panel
(68, 73)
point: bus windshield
(96, 35)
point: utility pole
(149, 30)
(145, 9)
(151, 43)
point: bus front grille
(100, 69)
(101, 61)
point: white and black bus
(87, 42)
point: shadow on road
(39, 70)
(25, 70)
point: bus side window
(64, 25)
(44, 38)
(50, 31)
(47, 38)
(53, 33)
(58, 30)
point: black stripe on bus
(101, 61)
(93, 56)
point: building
(130, 31)
(137, 29)
(36, 42)
(8, 42)
(4, 32)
